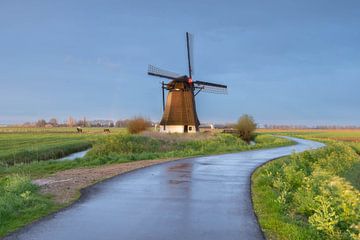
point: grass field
(313, 195)
(24, 145)
(349, 136)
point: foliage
(309, 192)
(137, 125)
(246, 126)
(20, 202)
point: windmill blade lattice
(155, 71)
(211, 87)
(189, 47)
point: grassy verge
(305, 196)
(112, 149)
(21, 203)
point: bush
(137, 125)
(246, 127)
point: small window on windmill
(190, 128)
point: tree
(53, 122)
(41, 123)
(246, 126)
(122, 123)
(83, 123)
(71, 122)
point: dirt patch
(65, 186)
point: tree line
(72, 122)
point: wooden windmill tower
(180, 110)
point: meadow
(349, 136)
(24, 145)
(311, 195)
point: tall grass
(20, 202)
(126, 147)
(305, 197)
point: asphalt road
(196, 198)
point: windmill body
(180, 109)
(180, 114)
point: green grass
(349, 136)
(353, 175)
(24, 145)
(133, 147)
(271, 215)
(306, 197)
(16, 210)
(20, 203)
(356, 146)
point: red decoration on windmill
(179, 112)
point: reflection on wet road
(197, 198)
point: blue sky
(294, 62)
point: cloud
(100, 61)
(108, 63)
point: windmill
(179, 112)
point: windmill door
(185, 128)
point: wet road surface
(197, 198)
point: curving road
(195, 198)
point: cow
(79, 130)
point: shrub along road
(195, 198)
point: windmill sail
(189, 47)
(211, 87)
(155, 71)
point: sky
(284, 62)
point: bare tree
(41, 123)
(53, 122)
(122, 123)
(71, 122)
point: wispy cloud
(108, 63)
(100, 61)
